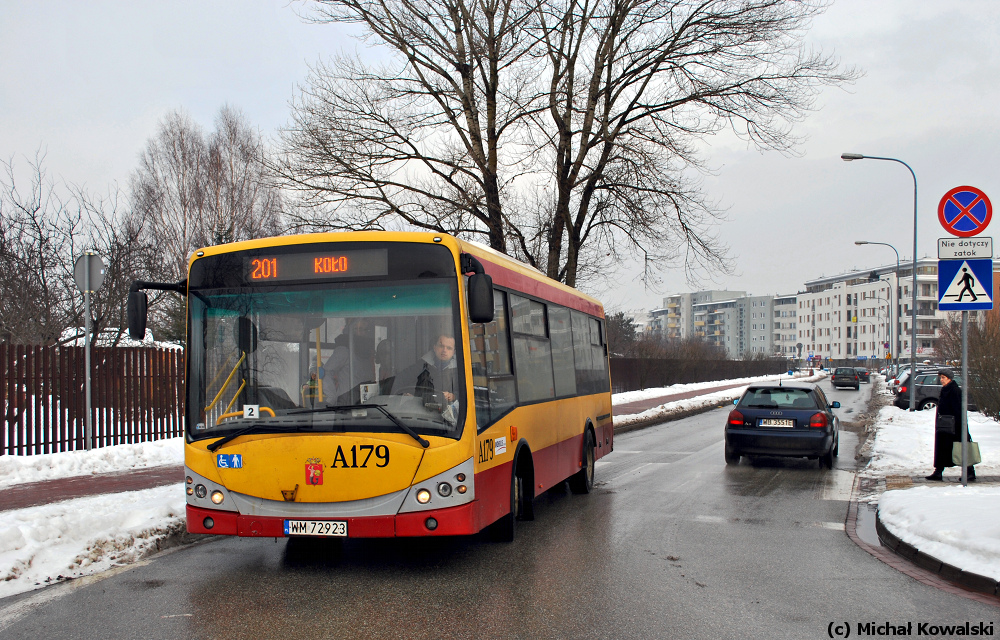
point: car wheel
(857, 387)
(732, 458)
(927, 405)
(583, 480)
(826, 460)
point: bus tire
(520, 499)
(582, 481)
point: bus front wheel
(583, 480)
(520, 503)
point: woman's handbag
(974, 457)
(945, 424)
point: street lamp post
(898, 337)
(913, 305)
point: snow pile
(904, 443)
(46, 544)
(677, 407)
(957, 525)
(22, 469)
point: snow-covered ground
(955, 524)
(669, 409)
(23, 469)
(46, 544)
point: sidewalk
(32, 494)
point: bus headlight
(444, 489)
(423, 496)
(218, 497)
(200, 491)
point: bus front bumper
(452, 521)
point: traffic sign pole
(88, 271)
(86, 342)
(965, 212)
(965, 398)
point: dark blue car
(788, 419)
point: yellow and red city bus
(362, 385)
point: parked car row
(926, 390)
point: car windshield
(778, 398)
(281, 358)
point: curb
(967, 579)
(648, 422)
(686, 413)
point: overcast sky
(88, 82)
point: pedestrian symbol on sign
(965, 287)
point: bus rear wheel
(583, 480)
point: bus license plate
(775, 422)
(333, 528)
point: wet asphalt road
(671, 544)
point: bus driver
(435, 372)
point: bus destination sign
(317, 265)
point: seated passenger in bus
(436, 372)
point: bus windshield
(316, 357)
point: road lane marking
(705, 519)
(662, 453)
(16, 611)
(632, 472)
(838, 485)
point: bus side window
(492, 377)
(583, 353)
(561, 335)
(532, 351)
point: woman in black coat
(949, 404)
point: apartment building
(784, 338)
(862, 314)
(676, 318)
(756, 332)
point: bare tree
(39, 231)
(242, 201)
(118, 234)
(193, 190)
(984, 356)
(197, 190)
(561, 131)
(44, 228)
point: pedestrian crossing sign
(965, 285)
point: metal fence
(137, 396)
(632, 374)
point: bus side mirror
(135, 311)
(480, 290)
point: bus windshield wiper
(263, 428)
(378, 407)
